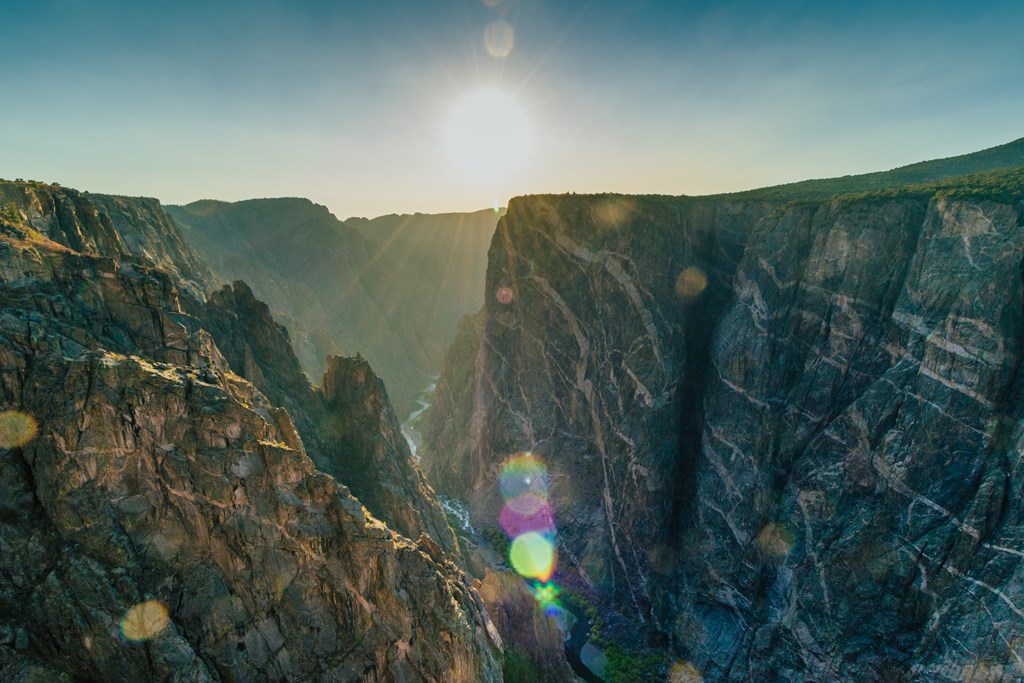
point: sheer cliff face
(160, 518)
(582, 350)
(810, 466)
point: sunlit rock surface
(784, 438)
(362, 434)
(134, 229)
(347, 424)
(161, 520)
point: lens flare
(547, 595)
(775, 540)
(529, 520)
(546, 592)
(691, 283)
(16, 429)
(504, 295)
(499, 39)
(518, 518)
(684, 672)
(522, 475)
(528, 504)
(144, 621)
(613, 212)
(533, 556)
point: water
(458, 510)
(579, 633)
(409, 428)
(577, 639)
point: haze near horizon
(401, 107)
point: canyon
(783, 430)
(161, 519)
(781, 433)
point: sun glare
(488, 134)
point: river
(579, 632)
(410, 428)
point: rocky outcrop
(299, 259)
(257, 348)
(133, 229)
(784, 439)
(347, 424)
(534, 649)
(363, 436)
(159, 517)
(582, 348)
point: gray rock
(807, 468)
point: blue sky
(346, 103)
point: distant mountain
(392, 288)
(995, 158)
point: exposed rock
(582, 365)
(134, 229)
(806, 469)
(347, 425)
(165, 522)
(534, 649)
(363, 436)
(257, 348)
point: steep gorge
(390, 289)
(784, 436)
(160, 518)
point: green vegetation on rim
(995, 174)
(9, 214)
(923, 174)
(1004, 185)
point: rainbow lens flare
(522, 475)
(528, 519)
(547, 596)
(517, 520)
(16, 429)
(533, 556)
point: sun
(488, 135)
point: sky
(361, 105)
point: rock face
(134, 229)
(159, 516)
(347, 424)
(361, 432)
(391, 289)
(534, 649)
(581, 357)
(785, 439)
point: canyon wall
(160, 518)
(784, 437)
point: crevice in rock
(700, 319)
